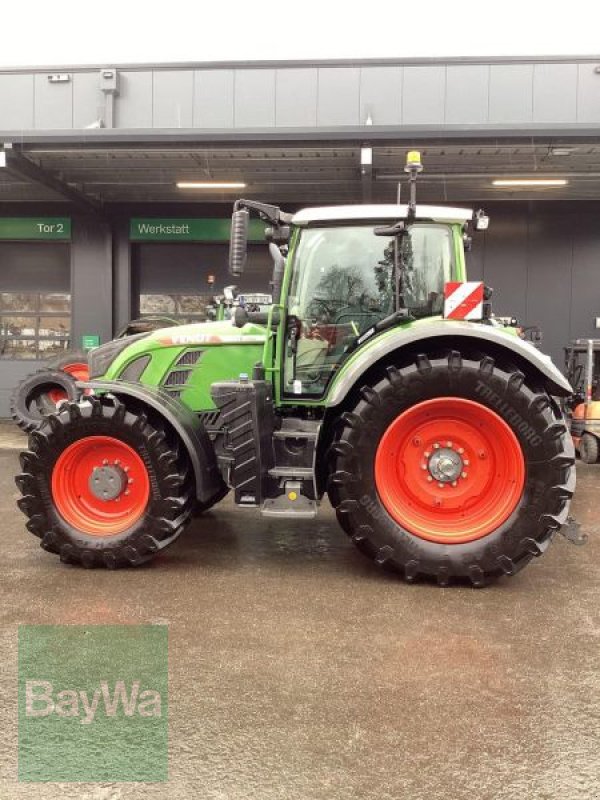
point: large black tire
(589, 449)
(30, 402)
(533, 417)
(170, 499)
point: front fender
(186, 424)
(445, 332)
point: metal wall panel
(91, 279)
(296, 98)
(381, 95)
(555, 93)
(88, 100)
(511, 93)
(423, 96)
(588, 94)
(505, 261)
(338, 99)
(467, 94)
(173, 92)
(254, 98)
(134, 101)
(213, 98)
(550, 264)
(16, 102)
(53, 103)
(585, 286)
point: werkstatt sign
(189, 230)
(25, 228)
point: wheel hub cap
(107, 482)
(445, 465)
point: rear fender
(184, 422)
(451, 334)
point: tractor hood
(207, 333)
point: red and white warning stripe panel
(463, 300)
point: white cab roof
(379, 212)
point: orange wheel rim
(449, 470)
(100, 485)
(56, 396)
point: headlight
(100, 358)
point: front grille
(181, 370)
(178, 377)
(189, 358)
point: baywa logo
(41, 700)
(93, 703)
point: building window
(183, 307)
(34, 325)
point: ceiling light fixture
(561, 151)
(529, 182)
(210, 185)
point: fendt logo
(42, 700)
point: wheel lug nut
(461, 450)
(436, 446)
(130, 480)
(126, 491)
(429, 478)
(105, 461)
(463, 475)
(423, 466)
(448, 444)
(454, 483)
(441, 485)
(426, 453)
(466, 462)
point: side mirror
(238, 242)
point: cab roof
(379, 212)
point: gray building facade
(100, 151)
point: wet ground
(299, 671)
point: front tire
(452, 466)
(102, 486)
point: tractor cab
(349, 275)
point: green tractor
(378, 376)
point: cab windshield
(343, 283)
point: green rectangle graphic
(32, 228)
(93, 703)
(189, 230)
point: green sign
(189, 230)
(42, 228)
(93, 703)
(89, 340)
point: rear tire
(500, 392)
(589, 450)
(70, 519)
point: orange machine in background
(582, 361)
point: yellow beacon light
(413, 161)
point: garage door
(35, 309)
(175, 279)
